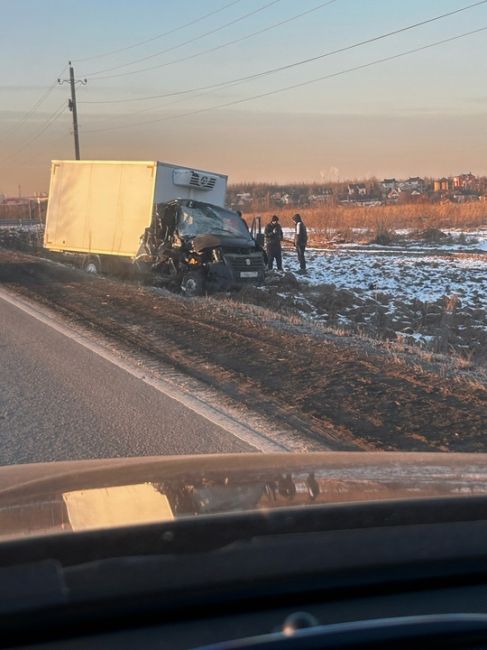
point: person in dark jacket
(300, 240)
(273, 238)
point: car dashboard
(353, 575)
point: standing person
(300, 240)
(273, 238)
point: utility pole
(73, 107)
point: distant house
(459, 198)
(414, 183)
(281, 198)
(24, 208)
(393, 195)
(325, 196)
(244, 198)
(465, 182)
(356, 189)
(443, 185)
(17, 200)
(389, 184)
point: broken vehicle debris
(201, 246)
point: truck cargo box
(104, 207)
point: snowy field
(426, 278)
(420, 290)
(411, 270)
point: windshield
(210, 220)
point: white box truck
(157, 217)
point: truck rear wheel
(92, 265)
(192, 284)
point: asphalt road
(62, 401)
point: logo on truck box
(190, 178)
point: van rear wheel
(192, 284)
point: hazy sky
(421, 114)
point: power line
(295, 64)
(54, 116)
(211, 49)
(157, 36)
(189, 41)
(52, 142)
(34, 107)
(46, 155)
(297, 85)
(50, 120)
(161, 65)
(37, 104)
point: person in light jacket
(300, 240)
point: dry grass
(446, 364)
(385, 218)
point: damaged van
(202, 246)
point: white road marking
(211, 413)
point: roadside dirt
(343, 391)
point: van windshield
(210, 220)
